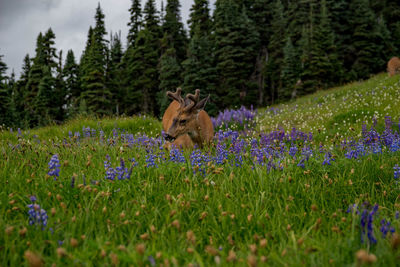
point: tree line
(247, 52)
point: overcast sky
(22, 20)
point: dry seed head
(211, 250)
(252, 260)
(140, 248)
(172, 213)
(73, 242)
(122, 215)
(190, 250)
(263, 243)
(9, 230)
(190, 236)
(158, 255)
(114, 259)
(103, 253)
(253, 248)
(33, 259)
(395, 241)
(23, 231)
(231, 256)
(203, 215)
(249, 217)
(153, 228)
(122, 248)
(73, 219)
(144, 236)
(58, 197)
(176, 224)
(61, 252)
(314, 207)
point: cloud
(22, 20)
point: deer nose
(169, 138)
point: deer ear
(202, 103)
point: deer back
(393, 66)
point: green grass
(288, 217)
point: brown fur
(393, 66)
(198, 130)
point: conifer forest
(240, 52)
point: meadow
(312, 182)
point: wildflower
(54, 167)
(396, 171)
(385, 228)
(327, 159)
(37, 215)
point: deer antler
(195, 99)
(176, 96)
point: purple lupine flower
(327, 159)
(150, 159)
(396, 171)
(37, 215)
(176, 155)
(385, 228)
(110, 172)
(54, 167)
(293, 150)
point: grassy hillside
(109, 194)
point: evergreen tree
(19, 93)
(72, 85)
(141, 65)
(236, 43)
(60, 99)
(96, 95)
(200, 18)
(199, 71)
(365, 50)
(174, 33)
(290, 71)
(135, 23)
(169, 73)
(275, 48)
(115, 72)
(5, 96)
(36, 73)
(324, 68)
(340, 21)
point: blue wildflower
(396, 171)
(37, 215)
(54, 167)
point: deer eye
(182, 122)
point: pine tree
(236, 43)
(324, 68)
(60, 93)
(115, 72)
(72, 84)
(275, 48)
(36, 73)
(365, 51)
(198, 68)
(96, 95)
(46, 104)
(391, 14)
(135, 23)
(199, 18)
(19, 93)
(169, 73)
(340, 22)
(5, 96)
(141, 64)
(290, 71)
(174, 32)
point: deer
(393, 66)
(185, 122)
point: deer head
(185, 120)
